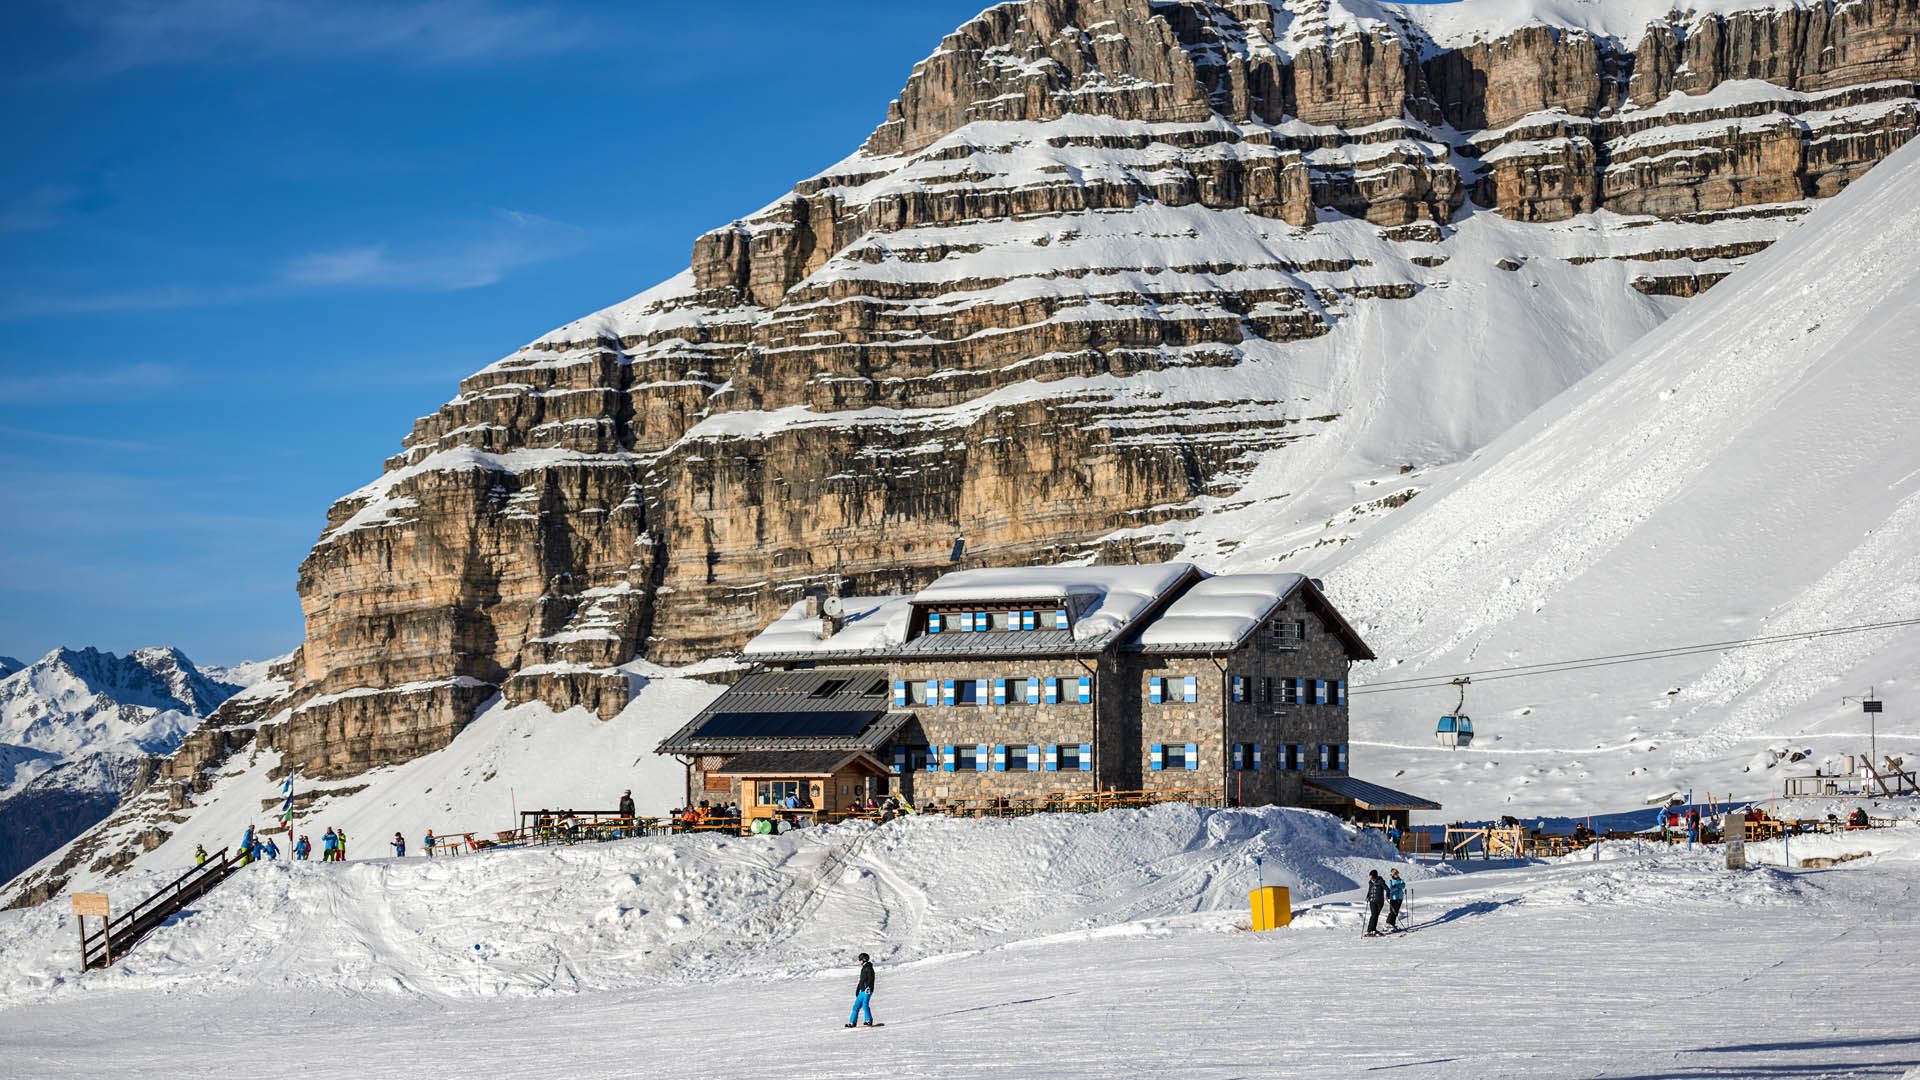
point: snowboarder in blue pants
(863, 993)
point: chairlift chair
(1455, 729)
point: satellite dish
(831, 606)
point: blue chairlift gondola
(1456, 728)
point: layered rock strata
(1046, 309)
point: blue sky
(244, 243)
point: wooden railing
(121, 932)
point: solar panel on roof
(824, 724)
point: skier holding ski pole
(1396, 895)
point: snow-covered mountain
(76, 727)
(1749, 469)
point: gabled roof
(815, 709)
(1106, 605)
(1220, 613)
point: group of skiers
(333, 848)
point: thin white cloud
(86, 441)
(84, 385)
(41, 208)
(129, 34)
(475, 256)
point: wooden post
(94, 903)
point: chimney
(811, 609)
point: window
(1190, 688)
(966, 759)
(828, 688)
(1067, 757)
(1172, 756)
(1266, 689)
(1290, 692)
(1296, 757)
(877, 689)
(1287, 633)
(967, 692)
(777, 792)
(911, 757)
(1018, 758)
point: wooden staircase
(109, 943)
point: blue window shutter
(982, 621)
(946, 759)
(933, 692)
(999, 758)
(900, 693)
(1256, 757)
(966, 622)
(1319, 691)
(981, 688)
(1158, 759)
(981, 755)
(1154, 692)
(1190, 690)
(1340, 691)
(1086, 689)
(948, 694)
(1239, 688)
(999, 691)
(1193, 757)
(1239, 756)
(933, 624)
(1053, 691)
(1053, 757)
(1060, 619)
(1033, 757)
(1027, 620)
(899, 759)
(1341, 763)
(1033, 690)
(1086, 757)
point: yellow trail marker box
(1272, 907)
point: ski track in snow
(1061, 945)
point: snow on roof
(873, 622)
(1220, 610)
(1110, 597)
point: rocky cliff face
(1106, 267)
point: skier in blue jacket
(399, 846)
(1396, 894)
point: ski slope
(1749, 468)
(1062, 945)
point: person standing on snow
(1396, 894)
(199, 854)
(339, 845)
(301, 849)
(863, 993)
(1376, 897)
(399, 846)
(327, 845)
(626, 805)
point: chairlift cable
(1518, 671)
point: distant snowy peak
(73, 702)
(8, 665)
